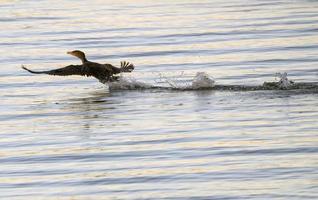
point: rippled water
(72, 138)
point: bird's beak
(69, 52)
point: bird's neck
(83, 59)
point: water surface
(72, 138)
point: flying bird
(103, 72)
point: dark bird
(103, 72)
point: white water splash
(202, 80)
(187, 82)
(180, 82)
(128, 83)
(284, 82)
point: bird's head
(79, 54)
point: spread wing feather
(65, 71)
(126, 66)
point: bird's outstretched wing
(126, 66)
(64, 71)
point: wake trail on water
(202, 81)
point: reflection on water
(89, 109)
(73, 138)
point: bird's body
(102, 72)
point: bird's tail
(126, 66)
(31, 71)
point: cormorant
(103, 72)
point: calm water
(70, 138)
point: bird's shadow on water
(95, 106)
(92, 102)
(92, 98)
